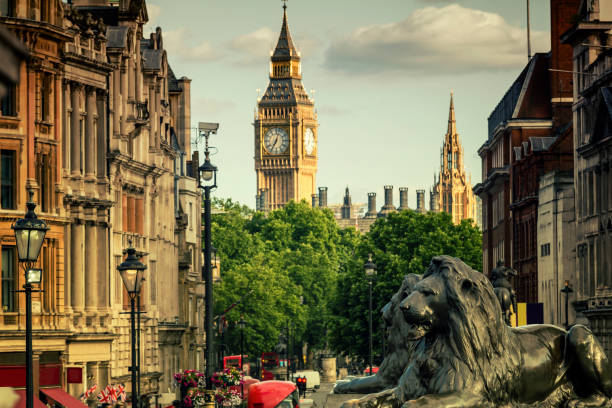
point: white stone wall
(556, 245)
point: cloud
(331, 110)
(432, 40)
(254, 48)
(179, 43)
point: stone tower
(452, 191)
(285, 129)
(347, 206)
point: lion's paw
(595, 400)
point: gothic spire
(452, 126)
(285, 49)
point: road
(323, 398)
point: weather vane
(285, 4)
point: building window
(7, 179)
(46, 95)
(545, 250)
(7, 8)
(8, 103)
(449, 160)
(44, 177)
(8, 279)
(456, 160)
(191, 216)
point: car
(313, 379)
(273, 394)
(367, 370)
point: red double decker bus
(269, 362)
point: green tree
(287, 262)
(403, 242)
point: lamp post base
(209, 399)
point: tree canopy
(401, 243)
(296, 267)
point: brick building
(529, 136)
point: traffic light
(300, 382)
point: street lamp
(132, 275)
(370, 272)
(241, 324)
(29, 235)
(208, 181)
(567, 289)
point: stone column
(139, 216)
(76, 266)
(103, 374)
(75, 130)
(101, 135)
(124, 86)
(138, 79)
(90, 133)
(153, 117)
(91, 262)
(102, 260)
(131, 80)
(66, 128)
(116, 102)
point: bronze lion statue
(466, 356)
(399, 350)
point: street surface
(323, 398)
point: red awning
(62, 397)
(22, 400)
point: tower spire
(284, 47)
(452, 126)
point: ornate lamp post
(132, 275)
(208, 182)
(370, 272)
(567, 289)
(241, 324)
(29, 235)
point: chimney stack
(323, 197)
(403, 198)
(388, 207)
(315, 200)
(421, 201)
(371, 205)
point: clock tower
(285, 128)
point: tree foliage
(296, 266)
(287, 263)
(403, 242)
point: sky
(380, 72)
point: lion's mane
(399, 349)
(475, 351)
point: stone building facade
(592, 125)
(286, 131)
(556, 243)
(452, 191)
(99, 129)
(87, 202)
(30, 152)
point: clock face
(276, 140)
(309, 142)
